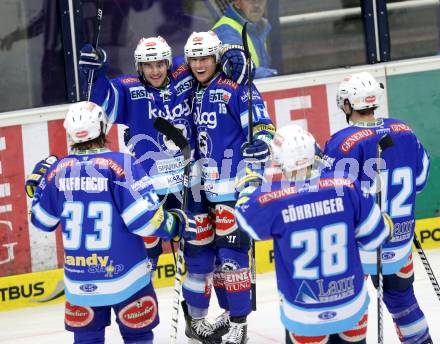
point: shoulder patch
(63, 164)
(130, 80)
(111, 164)
(354, 138)
(400, 127)
(227, 82)
(335, 182)
(180, 70)
(275, 195)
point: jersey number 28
(328, 246)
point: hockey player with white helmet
(162, 88)
(318, 222)
(105, 204)
(220, 114)
(405, 174)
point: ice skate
(237, 333)
(222, 324)
(199, 330)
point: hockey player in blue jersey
(406, 173)
(161, 88)
(105, 203)
(317, 222)
(220, 110)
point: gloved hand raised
(248, 177)
(258, 151)
(233, 62)
(186, 225)
(91, 59)
(37, 174)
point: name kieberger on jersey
(83, 183)
(306, 211)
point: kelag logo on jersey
(184, 85)
(219, 96)
(208, 119)
(180, 110)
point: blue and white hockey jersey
(105, 204)
(405, 173)
(317, 226)
(128, 101)
(221, 120)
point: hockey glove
(258, 151)
(91, 59)
(233, 61)
(186, 225)
(390, 224)
(37, 174)
(248, 177)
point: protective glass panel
(414, 28)
(32, 56)
(317, 35)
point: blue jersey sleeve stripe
(421, 178)
(147, 230)
(134, 211)
(244, 119)
(245, 226)
(105, 104)
(113, 114)
(377, 241)
(44, 217)
(370, 223)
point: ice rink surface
(45, 324)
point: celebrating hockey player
(221, 116)
(162, 88)
(105, 204)
(406, 173)
(317, 222)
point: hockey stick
(250, 140)
(95, 44)
(384, 142)
(426, 265)
(175, 135)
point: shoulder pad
(359, 135)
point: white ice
(45, 324)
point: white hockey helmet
(362, 91)
(85, 121)
(152, 49)
(293, 148)
(203, 44)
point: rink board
(47, 287)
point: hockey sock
(197, 291)
(410, 322)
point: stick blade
(169, 130)
(385, 142)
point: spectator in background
(229, 28)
